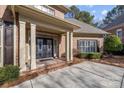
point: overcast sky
(99, 11)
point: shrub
(122, 50)
(12, 72)
(112, 43)
(81, 55)
(2, 75)
(8, 73)
(90, 55)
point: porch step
(55, 66)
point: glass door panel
(44, 48)
(49, 48)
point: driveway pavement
(84, 75)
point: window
(87, 45)
(45, 9)
(119, 33)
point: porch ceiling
(49, 30)
(45, 21)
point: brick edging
(108, 63)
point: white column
(54, 47)
(1, 45)
(33, 46)
(14, 43)
(22, 29)
(67, 46)
(71, 45)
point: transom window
(45, 9)
(87, 46)
(119, 33)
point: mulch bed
(27, 75)
(114, 60)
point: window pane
(83, 43)
(120, 34)
(87, 45)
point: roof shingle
(86, 28)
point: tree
(114, 13)
(83, 16)
(74, 12)
(112, 43)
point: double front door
(44, 47)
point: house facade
(87, 38)
(29, 33)
(116, 27)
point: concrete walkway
(84, 75)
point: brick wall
(2, 10)
(99, 39)
(113, 31)
(62, 46)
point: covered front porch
(47, 46)
(41, 37)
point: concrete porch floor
(83, 75)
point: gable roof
(86, 28)
(118, 21)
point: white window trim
(87, 45)
(119, 30)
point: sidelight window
(1, 43)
